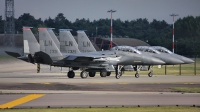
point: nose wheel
(150, 74)
(137, 75)
(118, 71)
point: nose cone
(156, 61)
(173, 61)
(187, 60)
(184, 59)
(168, 59)
(149, 60)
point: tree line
(155, 33)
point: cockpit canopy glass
(147, 49)
(126, 49)
(162, 49)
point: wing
(95, 56)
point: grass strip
(186, 89)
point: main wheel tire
(84, 74)
(108, 73)
(70, 74)
(92, 74)
(150, 74)
(137, 75)
(103, 74)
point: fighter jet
(85, 45)
(135, 67)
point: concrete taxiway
(103, 99)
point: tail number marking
(53, 51)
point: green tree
(27, 20)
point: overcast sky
(97, 9)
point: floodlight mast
(173, 15)
(111, 11)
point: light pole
(96, 31)
(176, 46)
(173, 15)
(111, 11)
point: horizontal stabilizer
(13, 54)
(18, 56)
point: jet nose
(187, 60)
(175, 61)
(156, 61)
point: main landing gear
(84, 74)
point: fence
(183, 69)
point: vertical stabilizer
(67, 42)
(84, 44)
(31, 45)
(47, 43)
(53, 36)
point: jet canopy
(162, 49)
(126, 49)
(147, 49)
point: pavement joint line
(20, 101)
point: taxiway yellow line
(123, 83)
(21, 100)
